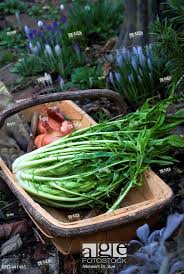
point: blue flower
(111, 78)
(76, 47)
(134, 62)
(48, 78)
(63, 19)
(118, 76)
(33, 49)
(48, 49)
(30, 46)
(38, 45)
(55, 25)
(31, 36)
(131, 78)
(57, 49)
(119, 58)
(34, 31)
(149, 64)
(139, 78)
(26, 30)
(49, 28)
(61, 82)
(40, 24)
(40, 34)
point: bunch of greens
(158, 252)
(169, 36)
(87, 77)
(135, 74)
(99, 20)
(90, 165)
(12, 6)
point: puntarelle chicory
(90, 165)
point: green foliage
(87, 77)
(29, 66)
(15, 41)
(7, 57)
(175, 11)
(12, 6)
(45, 12)
(169, 38)
(99, 20)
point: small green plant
(7, 57)
(12, 6)
(45, 12)
(87, 77)
(12, 39)
(99, 20)
(28, 66)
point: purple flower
(111, 78)
(33, 49)
(119, 58)
(149, 64)
(40, 34)
(126, 53)
(55, 25)
(118, 76)
(38, 45)
(139, 78)
(61, 82)
(134, 62)
(76, 47)
(49, 28)
(34, 31)
(30, 46)
(40, 24)
(48, 78)
(31, 36)
(26, 30)
(63, 19)
(57, 49)
(130, 78)
(48, 49)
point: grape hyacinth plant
(135, 74)
(48, 47)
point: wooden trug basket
(140, 205)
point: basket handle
(66, 95)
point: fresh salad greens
(106, 160)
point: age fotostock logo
(102, 255)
